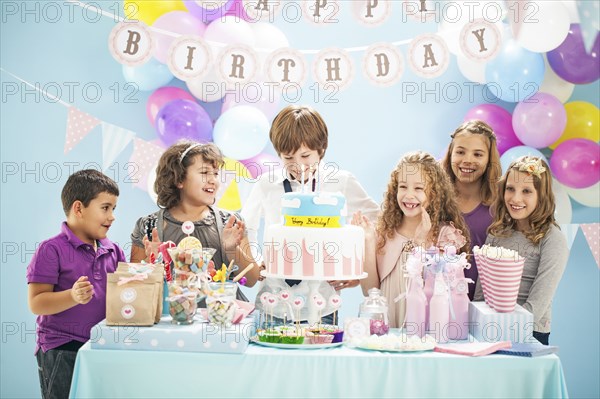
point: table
(332, 373)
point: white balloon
(545, 27)
(268, 38)
(228, 30)
(571, 6)
(589, 196)
(555, 85)
(472, 70)
(209, 88)
(150, 185)
(564, 211)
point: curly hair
(493, 170)
(442, 206)
(172, 168)
(542, 217)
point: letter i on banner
(130, 43)
(480, 40)
(189, 57)
(428, 56)
(383, 64)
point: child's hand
(233, 233)
(82, 291)
(341, 284)
(358, 219)
(423, 228)
(151, 247)
(261, 268)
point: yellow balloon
(583, 122)
(230, 200)
(149, 11)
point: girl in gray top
(524, 222)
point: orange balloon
(583, 122)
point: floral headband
(532, 166)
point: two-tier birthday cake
(313, 242)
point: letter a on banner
(130, 43)
(428, 56)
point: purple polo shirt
(478, 220)
(60, 261)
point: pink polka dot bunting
(79, 124)
(591, 231)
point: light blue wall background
(370, 128)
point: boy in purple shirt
(67, 278)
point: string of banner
(383, 64)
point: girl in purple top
(473, 164)
(67, 278)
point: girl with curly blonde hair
(473, 165)
(524, 222)
(419, 208)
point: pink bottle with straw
(439, 309)
(460, 303)
(416, 303)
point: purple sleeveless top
(478, 220)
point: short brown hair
(172, 168)
(298, 125)
(84, 186)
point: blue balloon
(517, 152)
(149, 76)
(241, 132)
(515, 74)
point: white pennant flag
(114, 141)
(570, 232)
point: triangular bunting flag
(145, 156)
(79, 124)
(589, 17)
(114, 141)
(569, 231)
(591, 231)
(230, 200)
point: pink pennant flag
(79, 124)
(591, 231)
(144, 157)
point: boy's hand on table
(82, 291)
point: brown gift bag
(134, 298)
(159, 269)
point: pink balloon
(501, 122)
(262, 163)
(576, 163)
(237, 9)
(180, 22)
(163, 95)
(540, 120)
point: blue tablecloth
(336, 372)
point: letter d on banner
(130, 43)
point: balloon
(518, 152)
(179, 22)
(540, 120)
(149, 11)
(148, 76)
(549, 31)
(576, 163)
(228, 196)
(500, 121)
(242, 132)
(256, 95)
(183, 119)
(563, 212)
(515, 74)
(238, 10)
(583, 122)
(208, 88)
(571, 62)
(215, 9)
(586, 196)
(162, 96)
(262, 163)
(553, 84)
(472, 70)
(269, 38)
(229, 30)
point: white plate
(294, 346)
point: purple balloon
(500, 120)
(206, 15)
(571, 62)
(576, 163)
(183, 119)
(540, 120)
(262, 163)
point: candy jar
(375, 308)
(220, 303)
